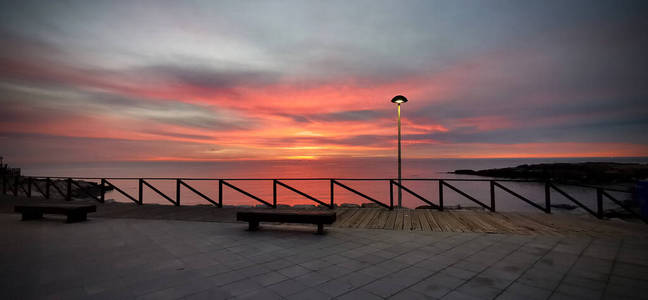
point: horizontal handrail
(16, 184)
(335, 178)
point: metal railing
(25, 183)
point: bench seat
(74, 212)
(287, 216)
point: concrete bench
(74, 212)
(287, 216)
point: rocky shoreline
(575, 173)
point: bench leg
(77, 217)
(253, 225)
(320, 228)
(32, 215)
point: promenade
(152, 256)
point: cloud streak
(290, 79)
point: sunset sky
(229, 80)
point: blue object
(642, 197)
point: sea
(203, 176)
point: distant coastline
(575, 173)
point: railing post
(391, 194)
(29, 187)
(102, 190)
(492, 195)
(47, 188)
(547, 197)
(440, 195)
(177, 192)
(220, 193)
(274, 193)
(599, 203)
(141, 191)
(332, 192)
(68, 197)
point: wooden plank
(416, 222)
(555, 224)
(439, 221)
(407, 219)
(456, 223)
(504, 224)
(423, 219)
(485, 226)
(379, 221)
(451, 222)
(358, 217)
(391, 219)
(467, 222)
(525, 227)
(431, 217)
(495, 222)
(348, 217)
(398, 225)
(372, 213)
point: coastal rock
(304, 206)
(349, 205)
(425, 207)
(370, 205)
(582, 173)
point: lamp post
(398, 100)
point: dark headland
(577, 173)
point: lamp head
(399, 99)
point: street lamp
(398, 100)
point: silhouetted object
(287, 216)
(642, 197)
(74, 212)
(578, 173)
(398, 100)
(6, 171)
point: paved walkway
(107, 258)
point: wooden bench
(74, 212)
(287, 216)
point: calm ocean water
(338, 168)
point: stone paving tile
(310, 294)
(481, 287)
(455, 295)
(288, 287)
(269, 278)
(459, 273)
(437, 285)
(579, 291)
(523, 291)
(359, 294)
(161, 259)
(294, 271)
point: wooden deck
(483, 221)
(397, 219)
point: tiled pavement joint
(562, 279)
(454, 247)
(528, 268)
(614, 262)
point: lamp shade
(399, 99)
